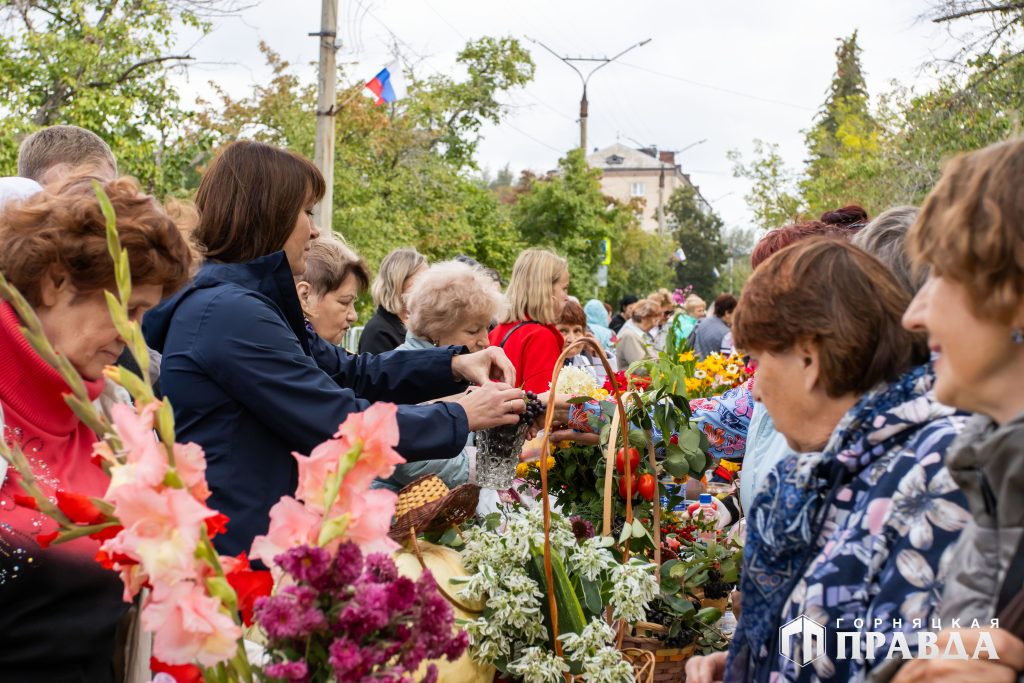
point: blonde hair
(662, 298)
(70, 145)
(450, 294)
(531, 289)
(394, 270)
(645, 308)
(692, 303)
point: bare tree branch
(983, 9)
(124, 75)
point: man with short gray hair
(52, 154)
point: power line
(718, 88)
(538, 141)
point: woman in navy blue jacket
(248, 382)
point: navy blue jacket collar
(270, 276)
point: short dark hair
(572, 314)
(627, 300)
(250, 199)
(724, 303)
(844, 301)
(851, 216)
(54, 145)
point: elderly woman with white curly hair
(450, 304)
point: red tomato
(620, 461)
(646, 485)
(622, 487)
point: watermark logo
(811, 636)
(802, 640)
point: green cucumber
(570, 612)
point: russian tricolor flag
(388, 85)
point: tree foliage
(103, 65)
(699, 233)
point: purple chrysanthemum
(288, 671)
(582, 529)
(277, 616)
(380, 568)
(305, 563)
(347, 660)
(347, 565)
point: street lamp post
(604, 61)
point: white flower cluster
(538, 665)
(633, 587)
(576, 381)
(591, 559)
(513, 624)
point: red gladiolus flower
(249, 585)
(78, 508)
(106, 533)
(217, 524)
(182, 673)
(44, 540)
(26, 501)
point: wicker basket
(669, 663)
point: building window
(636, 190)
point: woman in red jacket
(60, 607)
(536, 295)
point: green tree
(568, 213)
(103, 65)
(699, 233)
(774, 195)
(641, 263)
(402, 174)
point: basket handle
(545, 501)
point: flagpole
(323, 150)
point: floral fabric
(858, 531)
(724, 419)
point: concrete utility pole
(323, 150)
(604, 61)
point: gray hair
(884, 238)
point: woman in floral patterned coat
(855, 524)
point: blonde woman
(386, 329)
(635, 340)
(452, 304)
(537, 293)
(335, 276)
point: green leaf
(709, 615)
(638, 440)
(681, 606)
(579, 400)
(638, 529)
(627, 532)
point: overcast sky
(727, 72)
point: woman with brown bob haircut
(61, 608)
(252, 385)
(852, 525)
(970, 236)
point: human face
(79, 326)
(561, 293)
(333, 313)
(787, 383)
(700, 311)
(977, 366)
(472, 334)
(648, 323)
(572, 333)
(298, 244)
(666, 314)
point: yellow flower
(600, 394)
(686, 356)
(522, 469)
(692, 385)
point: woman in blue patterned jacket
(855, 524)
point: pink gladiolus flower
(161, 530)
(189, 626)
(316, 468)
(370, 519)
(377, 429)
(145, 458)
(190, 464)
(291, 524)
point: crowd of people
(876, 446)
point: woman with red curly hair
(61, 608)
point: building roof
(621, 157)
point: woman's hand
(483, 366)
(706, 669)
(491, 405)
(1007, 646)
(562, 407)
